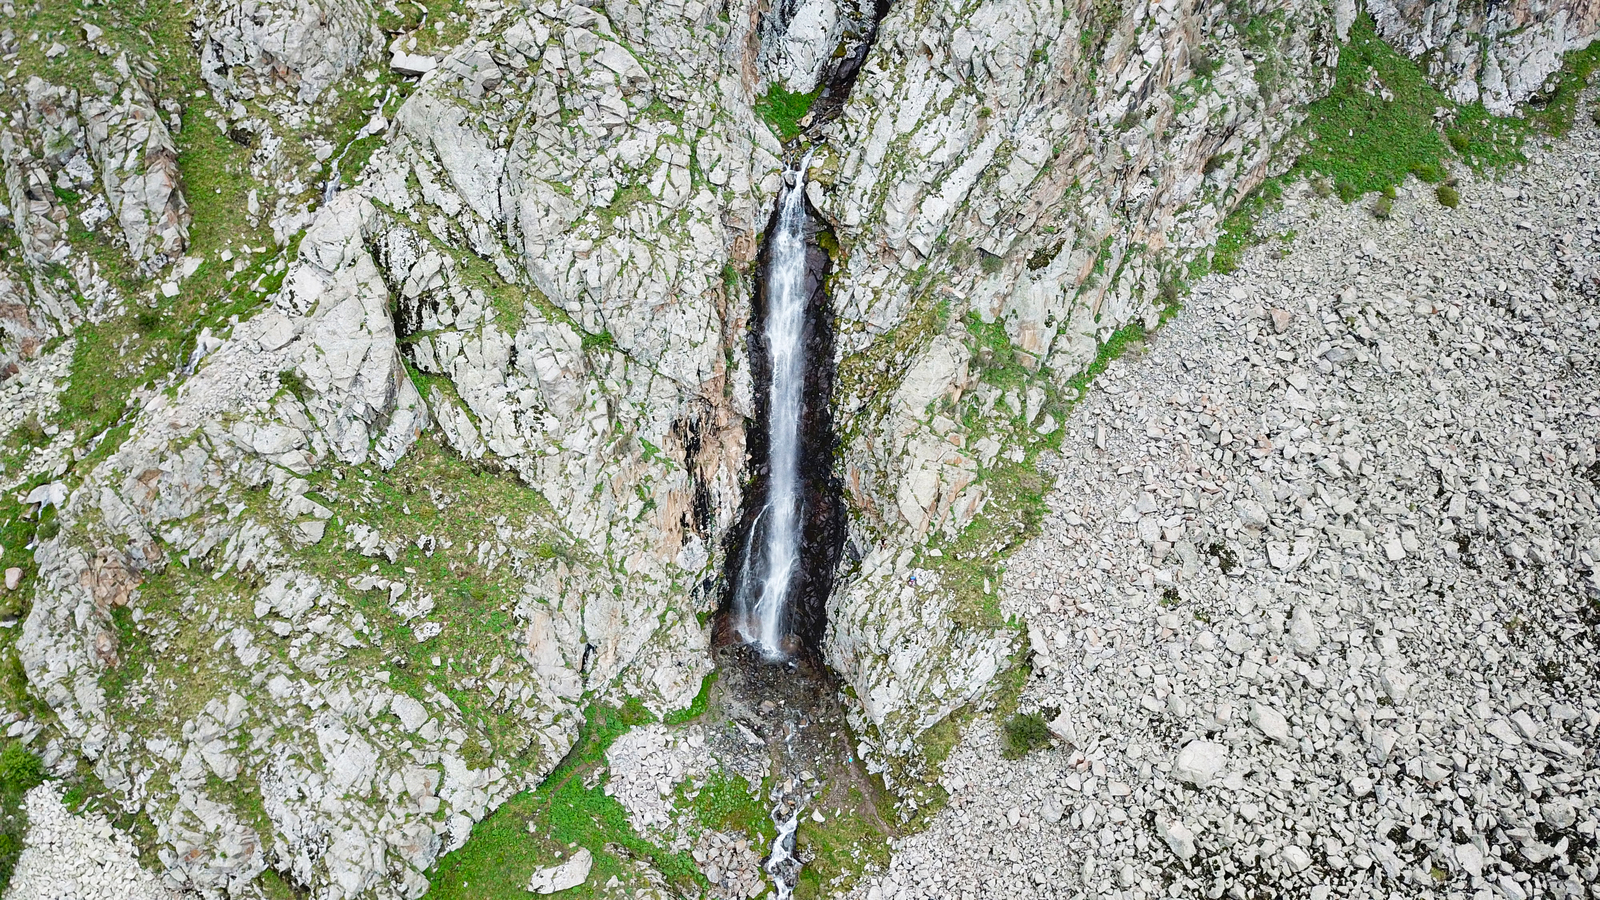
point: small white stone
(1270, 722)
(565, 876)
(1199, 762)
(1178, 837)
(1296, 858)
(1303, 636)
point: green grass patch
(1239, 231)
(20, 771)
(178, 654)
(273, 887)
(972, 565)
(697, 707)
(529, 831)
(841, 848)
(622, 201)
(598, 342)
(725, 803)
(997, 360)
(1121, 341)
(1555, 108)
(29, 435)
(783, 109)
(939, 741)
(446, 22)
(1364, 142)
(356, 156)
(1008, 691)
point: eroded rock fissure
(842, 78)
(784, 552)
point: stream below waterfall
(376, 123)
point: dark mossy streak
(840, 78)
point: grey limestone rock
(254, 47)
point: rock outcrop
(138, 169)
(252, 48)
(336, 303)
(1496, 53)
(25, 324)
(109, 154)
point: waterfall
(772, 553)
(784, 551)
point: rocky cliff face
(452, 443)
(113, 145)
(253, 49)
(1498, 54)
(574, 331)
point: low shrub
(20, 770)
(1025, 733)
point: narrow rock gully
(783, 554)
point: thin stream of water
(374, 125)
(781, 864)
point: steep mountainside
(375, 379)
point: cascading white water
(763, 598)
(781, 864)
(374, 125)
